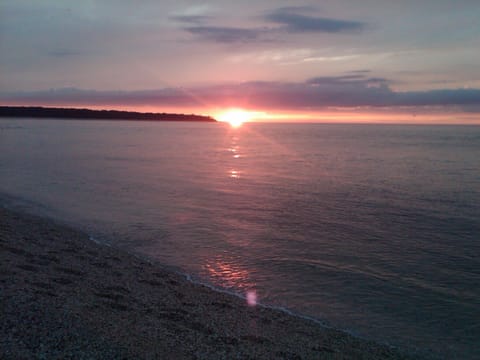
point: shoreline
(39, 112)
(64, 295)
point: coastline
(39, 112)
(65, 296)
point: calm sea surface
(370, 228)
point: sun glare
(235, 117)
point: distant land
(67, 113)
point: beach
(65, 296)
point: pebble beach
(64, 296)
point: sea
(372, 229)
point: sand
(63, 296)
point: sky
(338, 60)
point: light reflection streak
(234, 174)
(234, 149)
(231, 276)
(274, 144)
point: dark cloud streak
(225, 34)
(191, 19)
(295, 22)
(350, 79)
(286, 19)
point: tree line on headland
(67, 113)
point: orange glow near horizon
(235, 117)
(358, 116)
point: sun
(235, 117)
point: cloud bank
(350, 90)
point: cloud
(352, 90)
(191, 19)
(354, 79)
(296, 9)
(291, 20)
(225, 34)
(296, 22)
(468, 97)
(363, 71)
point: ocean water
(374, 229)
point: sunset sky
(313, 60)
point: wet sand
(64, 296)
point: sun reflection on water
(231, 276)
(234, 150)
(234, 174)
